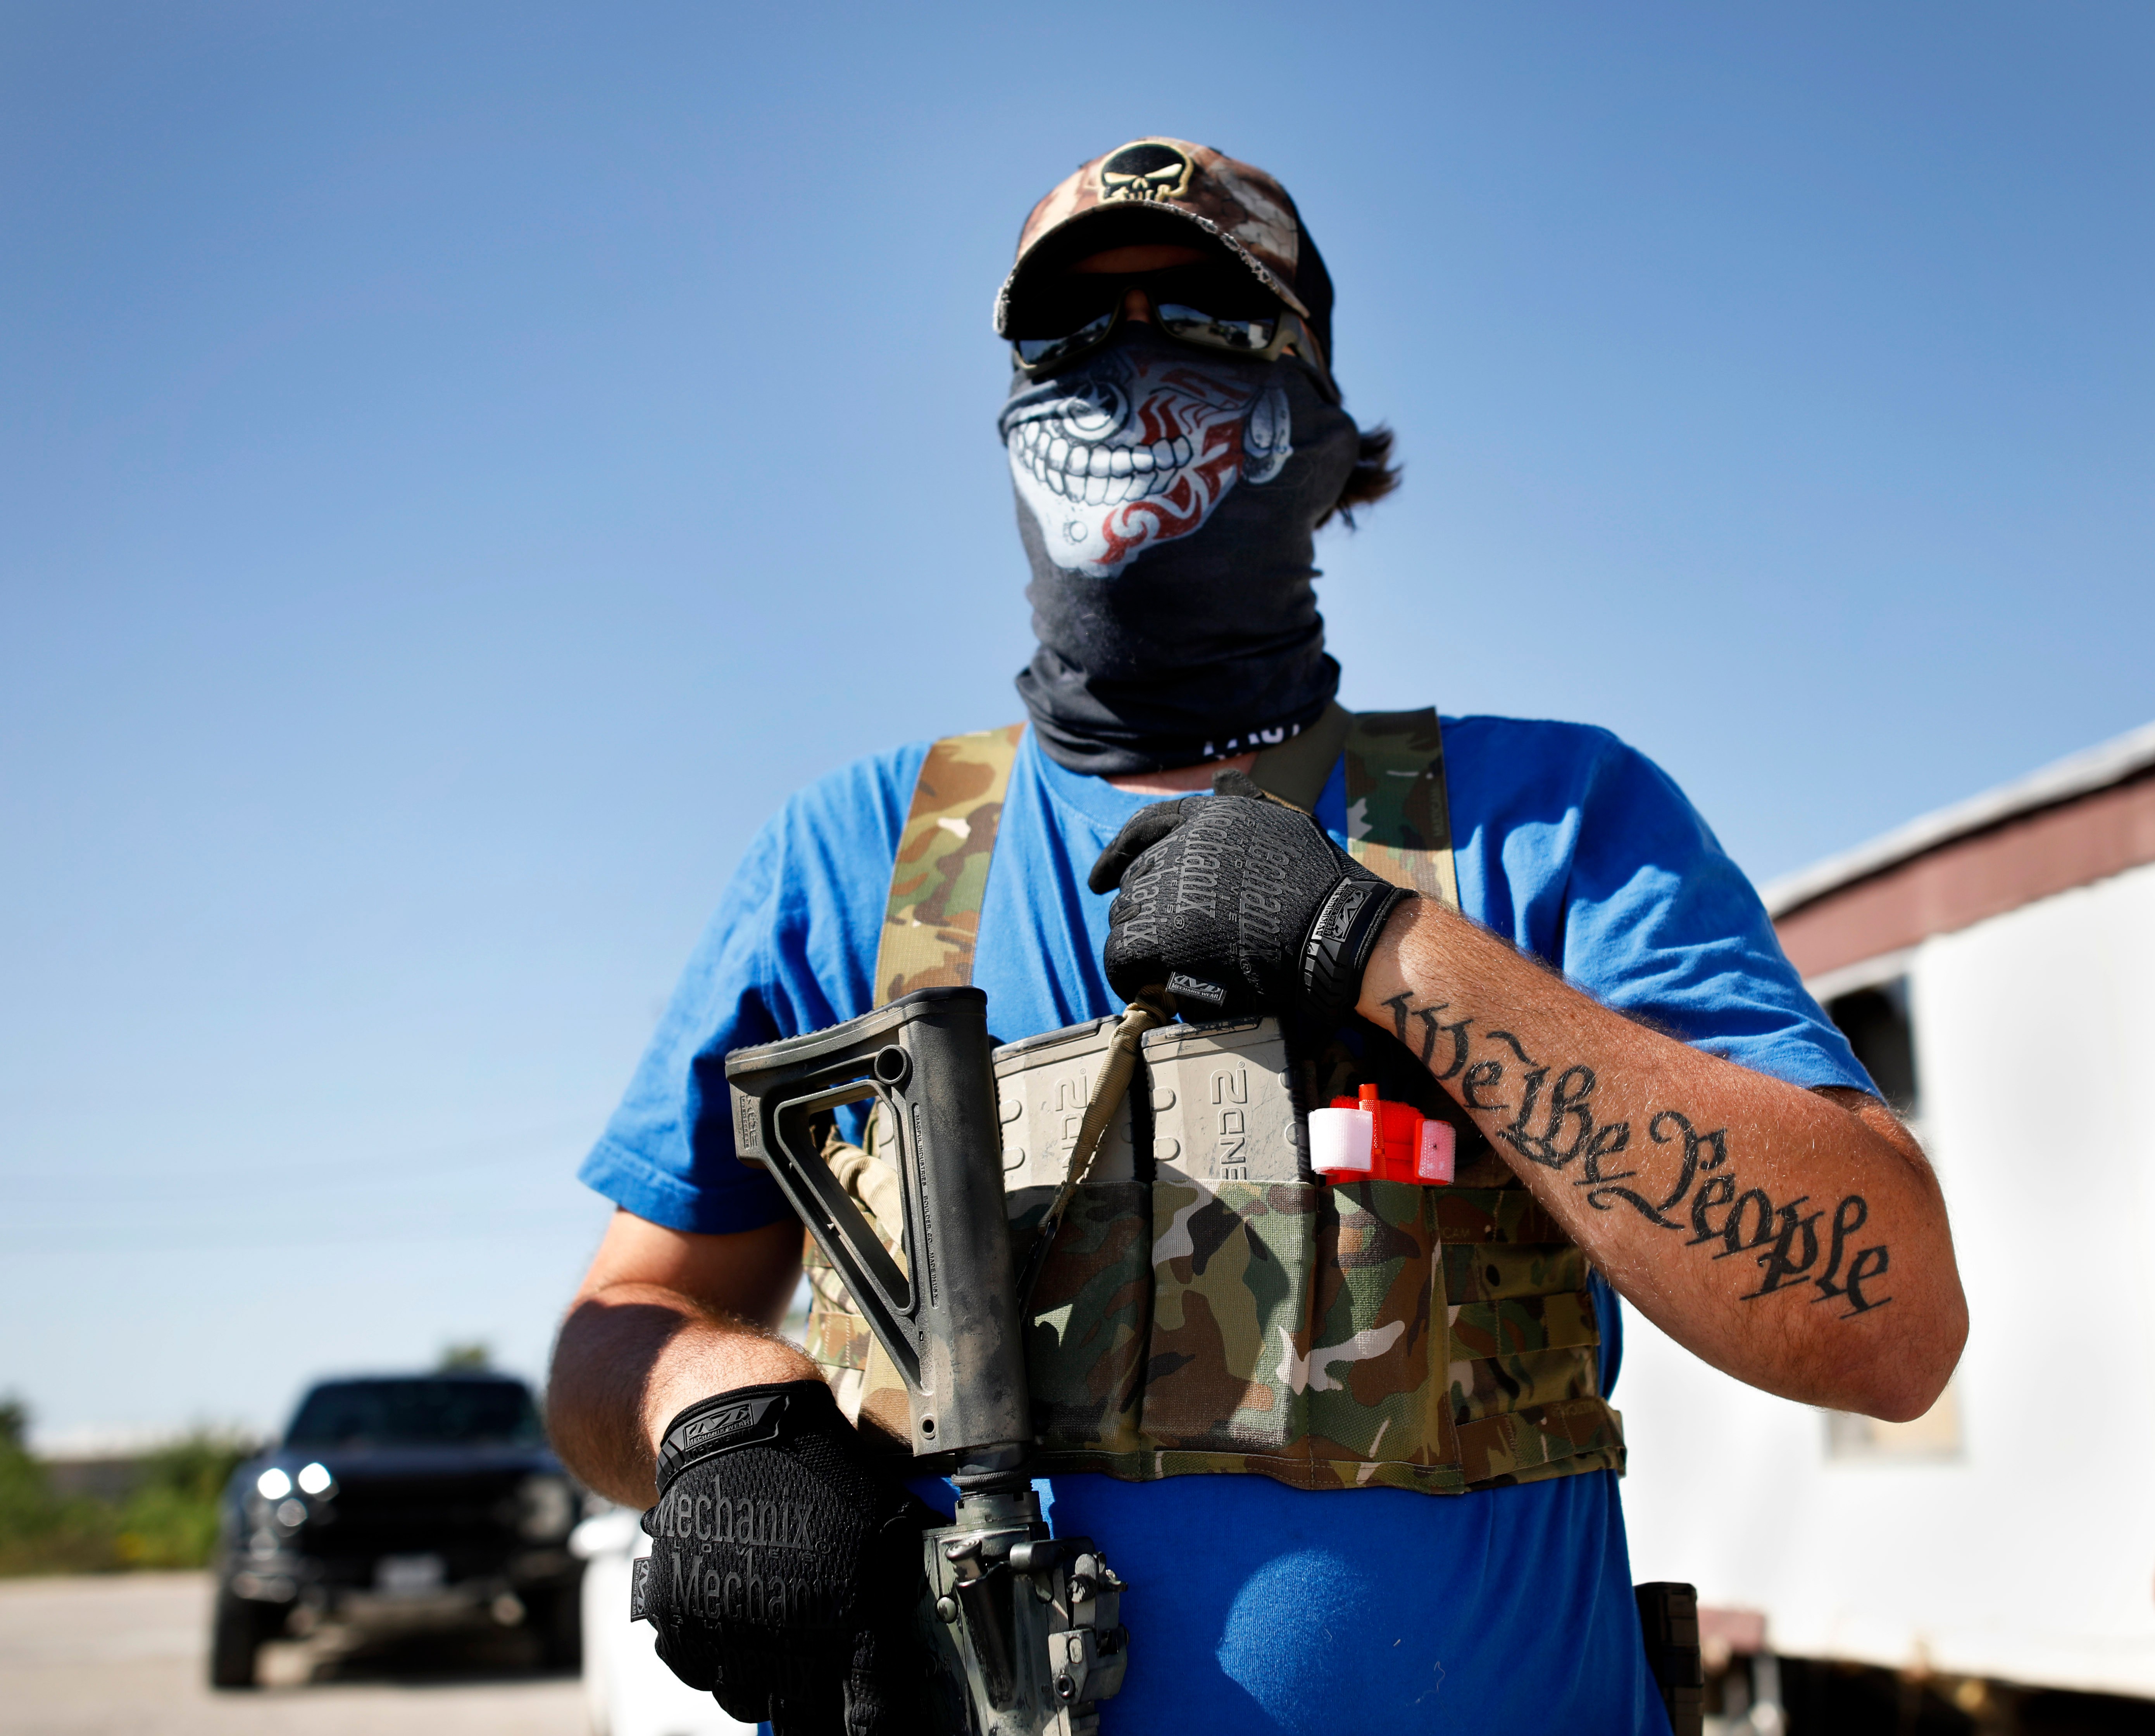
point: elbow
(1908, 1371)
(567, 1400)
(1904, 1399)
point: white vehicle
(628, 1691)
(1994, 965)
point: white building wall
(2030, 1556)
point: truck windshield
(416, 1413)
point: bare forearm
(664, 1320)
(629, 1362)
(1788, 1238)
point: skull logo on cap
(1144, 171)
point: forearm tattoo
(1553, 1123)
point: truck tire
(557, 1619)
(237, 1628)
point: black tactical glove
(785, 1567)
(1240, 904)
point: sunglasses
(1226, 312)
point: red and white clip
(1367, 1139)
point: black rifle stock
(950, 1320)
(1024, 1626)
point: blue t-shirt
(1254, 1605)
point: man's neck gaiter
(1168, 502)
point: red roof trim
(1958, 884)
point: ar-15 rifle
(1025, 1627)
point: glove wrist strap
(744, 1416)
(1342, 936)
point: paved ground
(125, 1657)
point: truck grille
(448, 1516)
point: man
(1434, 1539)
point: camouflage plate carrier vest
(1238, 1316)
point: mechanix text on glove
(785, 1566)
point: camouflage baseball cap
(1158, 189)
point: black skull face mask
(1167, 500)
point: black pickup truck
(396, 1503)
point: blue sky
(461, 466)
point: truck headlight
(546, 1508)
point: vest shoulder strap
(1399, 823)
(931, 921)
(1297, 770)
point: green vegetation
(458, 1358)
(168, 1518)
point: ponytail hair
(1373, 477)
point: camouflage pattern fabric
(1363, 1334)
(1397, 823)
(1370, 1332)
(931, 926)
(1237, 204)
(1088, 1329)
(932, 921)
